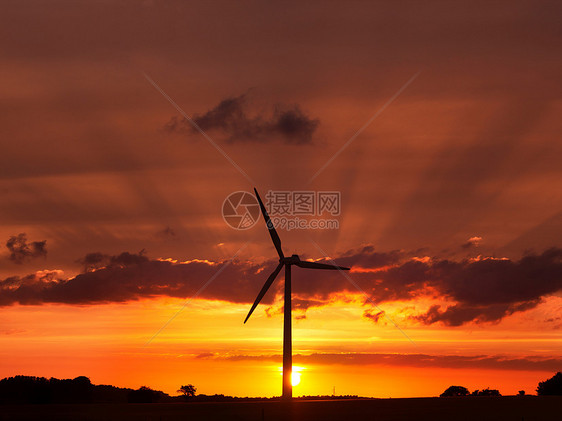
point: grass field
(526, 408)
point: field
(526, 408)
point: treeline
(38, 390)
(550, 387)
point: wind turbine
(287, 262)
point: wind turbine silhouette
(287, 262)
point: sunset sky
(450, 183)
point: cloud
(489, 289)
(492, 362)
(132, 276)
(459, 314)
(375, 316)
(479, 290)
(232, 118)
(93, 261)
(21, 250)
(475, 290)
(97, 260)
(472, 242)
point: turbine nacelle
(293, 260)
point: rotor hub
(290, 260)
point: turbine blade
(316, 265)
(264, 289)
(274, 237)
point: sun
(295, 374)
(295, 378)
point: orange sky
(91, 163)
(208, 346)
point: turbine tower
(287, 262)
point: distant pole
(334, 392)
(287, 339)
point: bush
(486, 392)
(552, 386)
(454, 391)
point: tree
(454, 391)
(552, 386)
(188, 391)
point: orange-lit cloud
(480, 290)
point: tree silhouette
(35, 390)
(486, 392)
(552, 386)
(144, 395)
(40, 390)
(454, 391)
(188, 391)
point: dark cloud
(97, 260)
(476, 290)
(500, 281)
(458, 314)
(375, 316)
(126, 259)
(130, 276)
(93, 261)
(21, 250)
(492, 362)
(367, 257)
(232, 118)
(481, 290)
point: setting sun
(295, 378)
(295, 375)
